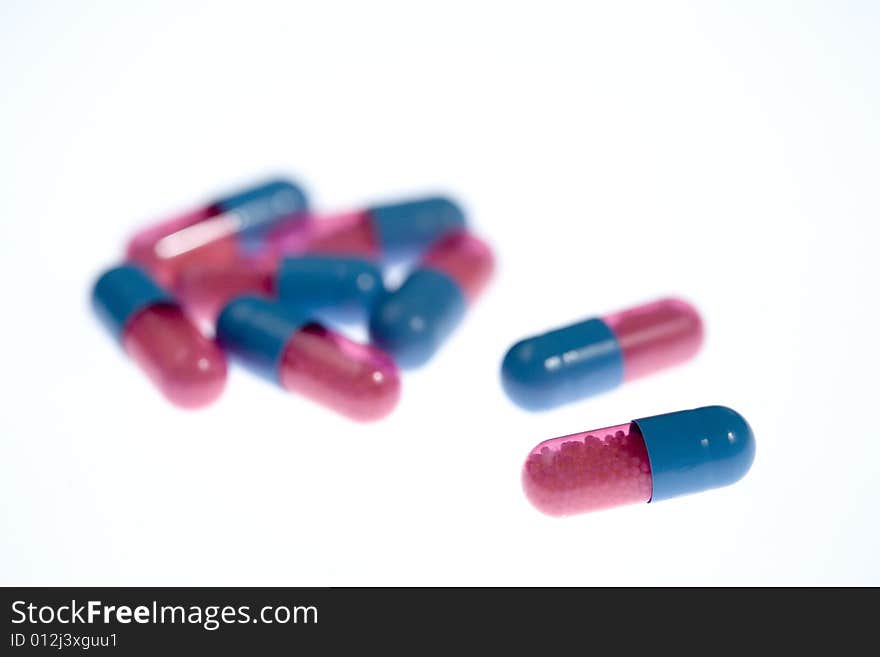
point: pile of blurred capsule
(251, 274)
(258, 268)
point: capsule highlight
(645, 460)
(281, 342)
(206, 289)
(412, 323)
(219, 232)
(188, 368)
(596, 355)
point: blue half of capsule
(344, 288)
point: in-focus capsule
(392, 231)
(187, 367)
(599, 354)
(412, 322)
(279, 341)
(219, 232)
(646, 460)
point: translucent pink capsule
(646, 460)
(206, 289)
(413, 322)
(464, 258)
(187, 367)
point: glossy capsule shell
(339, 288)
(412, 322)
(645, 460)
(219, 232)
(596, 355)
(282, 343)
(390, 231)
(345, 288)
(188, 368)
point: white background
(611, 152)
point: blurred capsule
(412, 322)
(646, 460)
(220, 232)
(187, 367)
(339, 288)
(280, 342)
(595, 355)
(392, 231)
(343, 287)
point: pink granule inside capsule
(464, 258)
(588, 471)
(187, 367)
(357, 380)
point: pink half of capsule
(206, 289)
(598, 354)
(394, 230)
(656, 335)
(349, 234)
(188, 368)
(216, 234)
(463, 257)
(165, 249)
(278, 340)
(588, 471)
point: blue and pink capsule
(412, 322)
(188, 368)
(646, 460)
(219, 233)
(595, 355)
(283, 343)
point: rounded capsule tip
(696, 450)
(735, 447)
